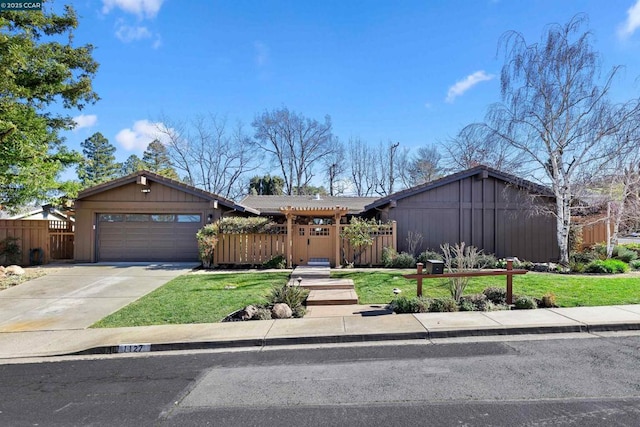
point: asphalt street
(590, 381)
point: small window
(136, 217)
(301, 231)
(189, 218)
(163, 218)
(110, 218)
(319, 231)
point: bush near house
(208, 238)
(392, 259)
(607, 266)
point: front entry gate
(313, 242)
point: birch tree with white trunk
(556, 112)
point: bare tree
(476, 145)
(334, 165)
(295, 143)
(386, 171)
(403, 164)
(621, 189)
(424, 166)
(556, 115)
(361, 167)
(209, 155)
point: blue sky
(409, 71)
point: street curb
(360, 338)
(507, 330)
(196, 345)
(340, 339)
(613, 327)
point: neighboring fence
(40, 241)
(255, 249)
(594, 230)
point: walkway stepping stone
(326, 284)
(332, 297)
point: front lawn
(376, 286)
(208, 298)
(196, 298)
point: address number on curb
(134, 348)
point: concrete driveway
(76, 296)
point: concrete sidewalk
(334, 329)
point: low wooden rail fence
(509, 272)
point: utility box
(434, 266)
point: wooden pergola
(336, 212)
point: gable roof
(44, 214)
(478, 170)
(271, 205)
(177, 185)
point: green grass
(196, 298)
(376, 287)
(202, 298)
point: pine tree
(266, 185)
(42, 71)
(99, 163)
(131, 165)
(156, 159)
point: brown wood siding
(130, 199)
(485, 213)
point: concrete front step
(332, 297)
(328, 284)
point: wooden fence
(249, 249)
(594, 230)
(372, 255)
(61, 238)
(255, 249)
(40, 241)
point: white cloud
(628, 27)
(467, 83)
(141, 8)
(85, 121)
(127, 34)
(142, 133)
(157, 42)
(262, 53)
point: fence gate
(61, 238)
(313, 242)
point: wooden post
(289, 246)
(420, 265)
(509, 281)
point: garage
(148, 237)
(145, 217)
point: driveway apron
(77, 296)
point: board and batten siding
(487, 213)
(129, 198)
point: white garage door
(148, 237)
